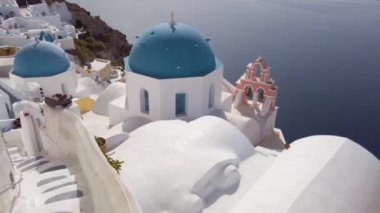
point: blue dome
(46, 36)
(40, 59)
(171, 51)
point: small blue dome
(171, 51)
(40, 59)
(46, 36)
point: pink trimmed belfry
(257, 89)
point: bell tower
(256, 88)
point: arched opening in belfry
(260, 95)
(258, 69)
(144, 101)
(249, 93)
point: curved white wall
(66, 136)
(50, 85)
(162, 93)
(183, 167)
(318, 174)
(111, 93)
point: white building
(41, 11)
(172, 73)
(61, 9)
(23, 27)
(98, 69)
(42, 69)
(9, 8)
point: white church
(41, 68)
(189, 140)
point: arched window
(260, 95)
(249, 93)
(144, 101)
(211, 96)
(63, 88)
(180, 104)
(258, 69)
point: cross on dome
(172, 21)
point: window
(63, 88)
(180, 104)
(249, 93)
(211, 96)
(144, 101)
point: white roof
(317, 174)
(168, 164)
(112, 92)
(98, 64)
(6, 61)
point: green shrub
(116, 164)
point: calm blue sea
(324, 54)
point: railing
(7, 190)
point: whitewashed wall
(116, 111)
(15, 40)
(54, 20)
(317, 174)
(162, 95)
(28, 134)
(13, 138)
(270, 124)
(8, 88)
(6, 124)
(50, 85)
(66, 136)
(62, 10)
(67, 43)
(6, 10)
(7, 193)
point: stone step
(59, 194)
(53, 184)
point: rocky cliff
(99, 40)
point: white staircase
(49, 185)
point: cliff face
(100, 40)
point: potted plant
(102, 144)
(62, 100)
